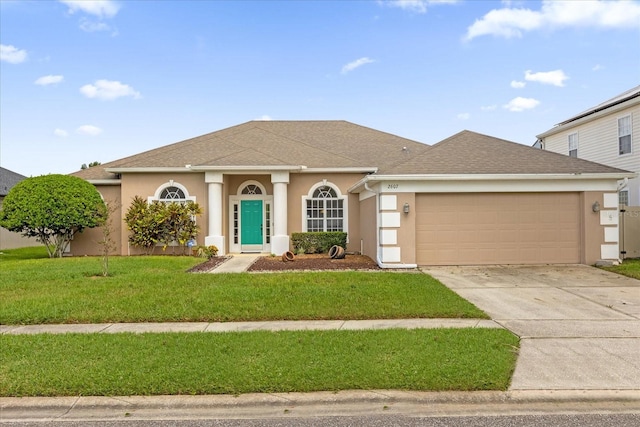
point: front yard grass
(157, 289)
(629, 267)
(235, 363)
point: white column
(280, 239)
(214, 233)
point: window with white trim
(623, 198)
(624, 135)
(325, 210)
(573, 145)
(171, 192)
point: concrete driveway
(579, 325)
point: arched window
(325, 209)
(252, 189)
(171, 192)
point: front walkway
(238, 263)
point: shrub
(52, 208)
(318, 241)
(161, 223)
(207, 252)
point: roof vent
(405, 150)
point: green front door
(251, 223)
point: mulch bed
(304, 262)
(209, 264)
(314, 262)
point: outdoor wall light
(405, 208)
(596, 206)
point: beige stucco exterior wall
(592, 233)
(86, 243)
(299, 186)
(368, 227)
(145, 185)
(407, 231)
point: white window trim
(235, 199)
(340, 196)
(171, 183)
(576, 141)
(620, 197)
(156, 197)
(251, 182)
(630, 115)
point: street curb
(352, 402)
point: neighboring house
(9, 240)
(608, 133)
(470, 199)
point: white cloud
(512, 22)
(355, 64)
(517, 85)
(48, 80)
(488, 107)
(555, 78)
(89, 130)
(597, 67)
(12, 54)
(99, 8)
(61, 133)
(92, 27)
(264, 118)
(418, 6)
(463, 116)
(108, 90)
(520, 104)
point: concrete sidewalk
(276, 325)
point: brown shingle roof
(472, 153)
(314, 144)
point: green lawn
(35, 289)
(157, 289)
(244, 362)
(629, 267)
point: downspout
(623, 250)
(378, 261)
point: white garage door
(497, 228)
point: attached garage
(497, 228)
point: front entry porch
(257, 220)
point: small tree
(52, 208)
(107, 243)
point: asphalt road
(565, 420)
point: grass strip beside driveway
(246, 362)
(157, 289)
(629, 267)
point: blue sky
(84, 81)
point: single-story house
(469, 199)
